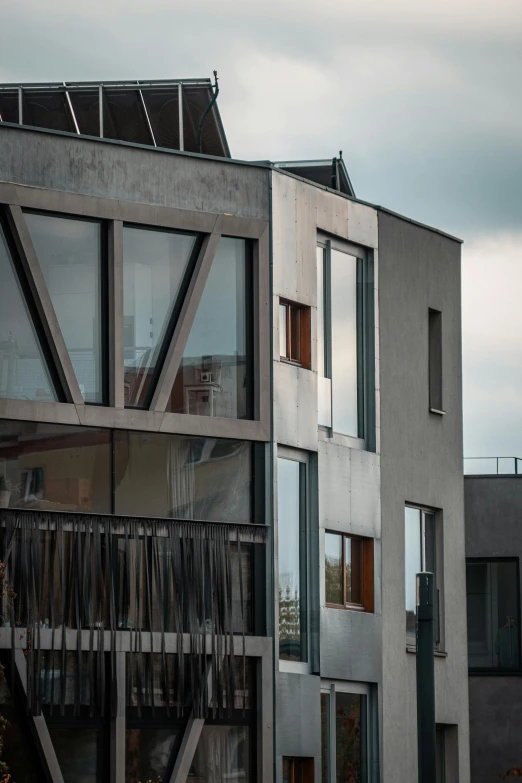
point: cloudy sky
(423, 97)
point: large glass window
(154, 267)
(69, 252)
(215, 375)
(291, 531)
(493, 615)
(223, 753)
(55, 467)
(23, 371)
(344, 737)
(419, 553)
(342, 318)
(183, 477)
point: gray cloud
(423, 98)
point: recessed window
(344, 735)
(298, 770)
(492, 588)
(345, 354)
(294, 333)
(349, 572)
(291, 515)
(435, 360)
(420, 555)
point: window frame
(365, 319)
(497, 671)
(304, 333)
(307, 771)
(438, 573)
(304, 664)
(366, 586)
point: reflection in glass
(349, 738)
(23, 372)
(493, 615)
(325, 738)
(78, 751)
(69, 253)
(55, 467)
(148, 753)
(324, 384)
(413, 563)
(215, 375)
(333, 548)
(291, 599)
(182, 477)
(353, 565)
(223, 753)
(282, 330)
(344, 342)
(154, 267)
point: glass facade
(291, 527)
(493, 615)
(216, 374)
(350, 740)
(55, 467)
(23, 371)
(69, 252)
(155, 265)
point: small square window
(294, 333)
(349, 572)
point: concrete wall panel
(340, 657)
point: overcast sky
(424, 98)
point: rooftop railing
(493, 466)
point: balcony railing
(493, 466)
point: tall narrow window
(154, 267)
(70, 254)
(215, 376)
(294, 333)
(493, 615)
(325, 737)
(23, 370)
(344, 735)
(291, 526)
(420, 546)
(344, 354)
(435, 361)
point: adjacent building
(493, 502)
(230, 436)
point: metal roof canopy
(171, 113)
(331, 173)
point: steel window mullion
(20, 106)
(100, 108)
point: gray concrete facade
(493, 506)
(421, 464)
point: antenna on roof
(215, 89)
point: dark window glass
(180, 476)
(46, 110)
(333, 545)
(291, 527)
(349, 737)
(195, 101)
(124, 118)
(440, 755)
(70, 255)
(163, 110)
(344, 343)
(493, 615)
(298, 770)
(23, 371)
(79, 753)
(9, 106)
(149, 753)
(325, 738)
(18, 750)
(154, 267)
(55, 467)
(435, 359)
(215, 375)
(223, 753)
(86, 105)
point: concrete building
(493, 504)
(230, 436)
